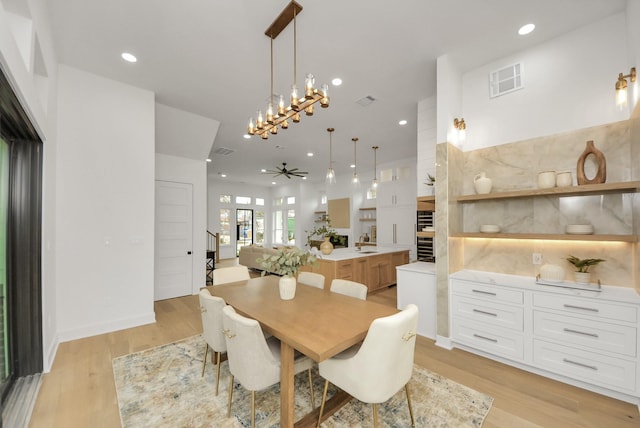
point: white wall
(105, 205)
(633, 43)
(448, 98)
(38, 96)
(427, 139)
(182, 170)
(568, 84)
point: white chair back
(349, 288)
(312, 279)
(251, 361)
(230, 274)
(384, 363)
(211, 309)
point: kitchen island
(373, 266)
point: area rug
(162, 387)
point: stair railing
(213, 244)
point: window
(277, 202)
(371, 193)
(225, 226)
(291, 200)
(225, 199)
(323, 200)
(243, 200)
(260, 201)
(277, 227)
(259, 232)
(291, 227)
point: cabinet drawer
(488, 339)
(500, 294)
(610, 372)
(590, 307)
(498, 314)
(592, 333)
(344, 269)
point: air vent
(365, 101)
(223, 151)
(505, 80)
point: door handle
(189, 252)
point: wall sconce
(461, 127)
(621, 88)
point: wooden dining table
(317, 323)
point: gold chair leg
(406, 389)
(313, 398)
(375, 415)
(204, 359)
(217, 371)
(324, 397)
(230, 394)
(253, 409)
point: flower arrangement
(286, 261)
(322, 232)
(583, 265)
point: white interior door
(173, 240)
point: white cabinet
(586, 338)
(417, 285)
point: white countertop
(339, 254)
(419, 267)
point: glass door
(244, 228)
(5, 368)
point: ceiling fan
(293, 172)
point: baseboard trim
(106, 327)
(51, 354)
(444, 342)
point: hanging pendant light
(374, 182)
(331, 175)
(355, 181)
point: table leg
(286, 385)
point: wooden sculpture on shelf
(601, 162)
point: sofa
(249, 255)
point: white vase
(482, 183)
(287, 285)
(582, 277)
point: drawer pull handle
(485, 338)
(484, 292)
(584, 333)
(485, 313)
(586, 366)
(582, 308)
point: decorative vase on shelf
(582, 277)
(326, 247)
(287, 285)
(482, 184)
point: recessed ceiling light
(336, 82)
(273, 182)
(402, 122)
(263, 170)
(208, 159)
(129, 57)
(246, 136)
(304, 178)
(223, 175)
(310, 154)
(526, 29)
(352, 166)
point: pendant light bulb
(331, 175)
(374, 182)
(355, 181)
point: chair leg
(230, 394)
(313, 398)
(406, 389)
(217, 371)
(324, 397)
(204, 359)
(253, 409)
(375, 415)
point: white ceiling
(211, 58)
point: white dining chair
(211, 310)
(382, 365)
(253, 360)
(349, 288)
(312, 279)
(230, 274)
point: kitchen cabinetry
(582, 190)
(585, 338)
(417, 285)
(396, 207)
(367, 219)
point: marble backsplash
(515, 166)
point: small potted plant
(582, 274)
(324, 232)
(286, 262)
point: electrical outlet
(537, 258)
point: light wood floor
(79, 391)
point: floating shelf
(368, 209)
(582, 190)
(367, 219)
(548, 236)
(425, 234)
